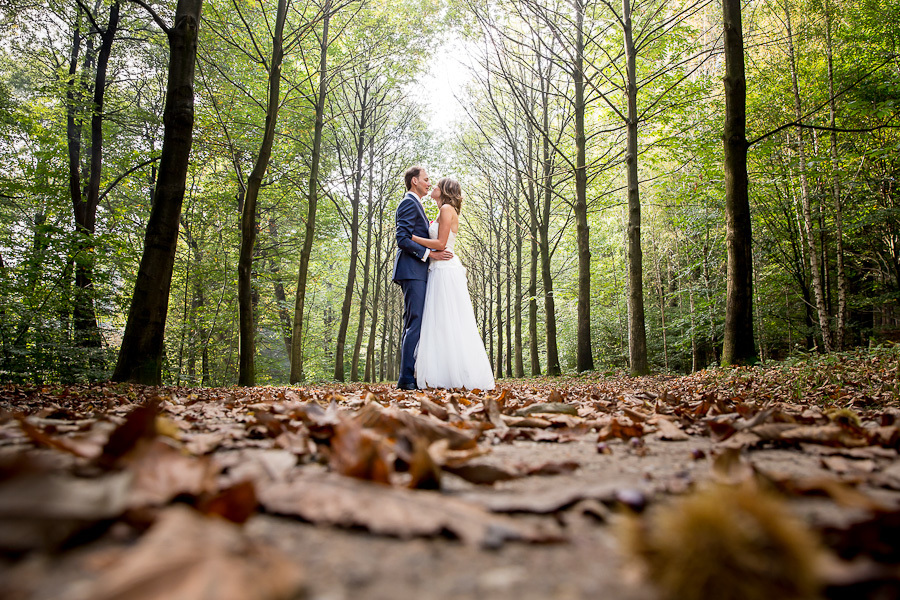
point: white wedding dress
(450, 352)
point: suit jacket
(410, 220)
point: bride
(450, 352)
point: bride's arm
(429, 243)
(444, 220)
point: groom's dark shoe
(406, 386)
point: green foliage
(386, 46)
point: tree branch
(154, 15)
(126, 174)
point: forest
(203, 193)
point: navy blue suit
(411, 273)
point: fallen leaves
(94, 461)
(186, 556)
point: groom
(411, 269)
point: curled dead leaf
(331, 499)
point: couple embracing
(440, 345)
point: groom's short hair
(410, 173)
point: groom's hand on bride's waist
(440, 255)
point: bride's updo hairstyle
(451, 193)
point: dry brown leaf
(829, 435)
(395, 422)
(334, 500)
(555, 498)
(492, 408)
(550, 408)
(162, 472)
(83, 447)
(430, 407)
(483, 473)
(621, 428)
(139, 427)
(236, 503)
(669, 431)
(40, 509)
(526, 422)
(253, 464)
(186, 556)
(361, 453)
(424, 472)
(841, 465)
(202, 443)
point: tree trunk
(508, 280)
(841, 325)
(363, 298)
(141, 353)
(695, 347)
(249, 225)
(84, 202)
(661, 293)
(517, 308)
(637, 334)
(738, 346)
(312, 201)
(544, 230)
(284, 317)
(498, 290)
(534, 353)
(376, 296)
(584, 360)
(814, 265)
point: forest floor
(765, 482)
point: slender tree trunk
(141, 353)
(517, 309)
(506, 262)
(363, 298)
(498, 290)
(695, 347)
(87, 331)
(535, 358)
(34, 273)
(376, 296)
(661, 293)
(544, 231)
(637, 334)
(383, 354)
(360, 326)
(584, 360)
(738, 346)
(312, 201)
(814, 265)
(249, 225)
(74, 97)
(284, 316)
(841, 325)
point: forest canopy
(270, 138)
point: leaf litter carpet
(778, 482)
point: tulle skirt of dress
(450, 352)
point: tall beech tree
(141, 353)
(86, 194)
(249, 220)
(738, 346)
(805, 202)
(637, 332)
(359, 101)
(312, 197)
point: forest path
(528, 491)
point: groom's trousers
(413, 305)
